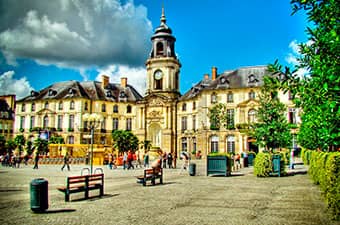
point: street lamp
(93, 121)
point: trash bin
(39, 195)
(192, 169)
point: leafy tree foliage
(20, 142)
(10, 145)
(57, 140)
(124, 140)
(219, 117)
(41, 145)
(271, 130)
(318, 92)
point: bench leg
(86, 194)
(153, 181)
(67, 197)
(144, 182)
(101, 190)
(161, 180)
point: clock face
(158, 75)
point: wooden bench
(151, 174)
(83, 183)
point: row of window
(72, 107)
(230, 99)
(214, 143)
(115, 123)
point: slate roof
(244, 77)
(92, 90)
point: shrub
(332, 184)
(263, 165)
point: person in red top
(130, 159)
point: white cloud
(292, 58)
(136, 76)
(9, 85)
(74, 33)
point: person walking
(125, 160)
(130, 160)
(36, 159)
(169, 159)
(164, 158)
(185, 158)
(146, 160)
(66, 162)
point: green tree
(41, 145)
(124, 140)
(29, 147)
(219, 117)
(20, 142)
(56, 140)
(10, 145)
(271, 130)
(317, 94)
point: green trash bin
(39, 195)
(192, 169)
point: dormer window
(252, 79)
(71, 91)
(108, 94)
(51, 92)
(34, 93)
(223, 80)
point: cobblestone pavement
(182, 199)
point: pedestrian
(125, 160)
(110, 161)
(169, 159)
(139, 161)
(36, 159)
(130, 160)
(146, 159)
(164, 158)
(185, 158)
(66, 162)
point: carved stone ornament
(155, 113)
(156, 102)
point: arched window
(115, 108)
(159, 49)
(45, 124)
(184, 107)
(184, 144)
(86, 106)
(128, 109)
(231, 143)
(193, 105)
(103, 108)
(23, 107)
(33, 107)
(72, 104)
(252, 116)
(214, 143)
(128, 124)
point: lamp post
(93, 121)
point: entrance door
(252, 146)
(155, 135)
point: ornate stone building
(170, 121)
(7, 108)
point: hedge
(324, 169)
(263, 166)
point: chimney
(123, 82)
(206, 76)
(213, 73)
(105, 81)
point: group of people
(14, 161)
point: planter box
(276, 160)
(218, 165)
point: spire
(163, 19)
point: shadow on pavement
(56, 211)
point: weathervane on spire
(163, 19)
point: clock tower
(162, 94)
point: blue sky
(42, 42)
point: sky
(43, 42)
